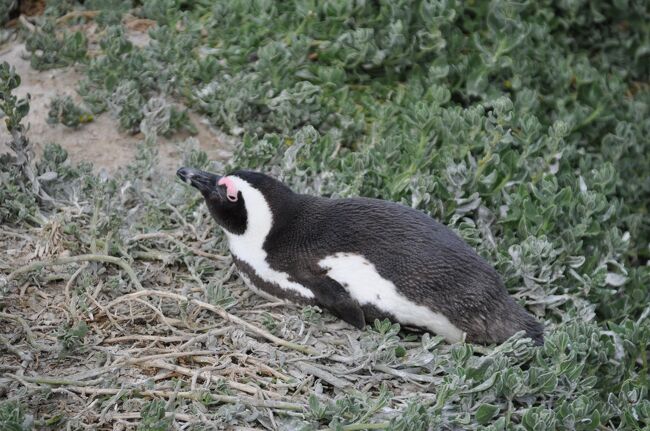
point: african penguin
(361, 259)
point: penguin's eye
(231, 188)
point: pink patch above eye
(231, 188)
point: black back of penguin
(394, 261)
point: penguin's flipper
(331, 295)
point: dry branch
(163, 235)
(192, 395)
(205, 375)
(323, 375)
(406, 375)
(81, 258)
(29, 335)
(88, 14)
(141, 337)
(25, 357)
(221, 312)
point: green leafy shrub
(51, 50)
(17, 203)
(153, 417)
(21, 188)
(126, 79)
(63, 110)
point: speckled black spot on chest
(269, 287)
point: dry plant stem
(211, 333)
(135, 415)
(54, 381)
(29, 335)
(22, 355)
(94, 372)
(221, 312)
(164, 319)
(88, 14)
(15, 234)
(179, 243)
(181, 218)
(262, 366)
(81, 258)
(170, 355)
(407, 376)
(322, 374)
(28, 25)
(197, 396)
(72, 279)
(110, 317)
(162, 339)
(206, 375)
(21, 380)
(192, 395)
(110, 403)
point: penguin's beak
(201, 180)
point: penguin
(361, 259)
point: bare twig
(68, 285)
(28, 25)
(164, 319)
(262, 366)
(221, 312)
(407, 376)
(205, 375)
(212, 333)
(54, 381)
(25, 357)
(136, 415)
(169, 355)
(29, 335)
(88, 14)
(192, 395)
(182, 219)
(81, 258)
(163, 235)
(110, 317)
(323, 375)
(142, 337)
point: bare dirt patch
(99, 142)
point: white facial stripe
(249, 246)
(361, 279)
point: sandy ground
(99, 142)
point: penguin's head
(241, 202)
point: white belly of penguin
(361, 279)
(255, 257)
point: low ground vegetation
(523, 126)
